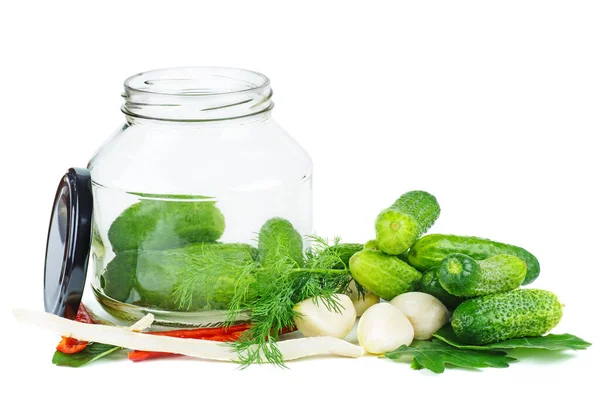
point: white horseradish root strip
(141, 325)
(123, 337)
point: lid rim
(65, 301)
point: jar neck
(196, 94)
(193, 125)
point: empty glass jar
(197, 169)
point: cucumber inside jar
(164, 224)
(192, 278)
(162, 246)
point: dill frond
(217, 275)
(278, 286)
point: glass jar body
(172, 195)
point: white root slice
(205, 349)
(294, 349)
(143, 323)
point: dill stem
(319, 270)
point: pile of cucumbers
(479, 278)
(155, 240)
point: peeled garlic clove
(315, 319)
(426, 313)
(361, 303)
(383, 328)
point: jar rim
(145, 82)
(196, 94)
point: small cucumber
(118, 278)
(158, 272)
(430, 250)
(502, 316)
(279, 240)
(431, 284)
(383, 275)
(162, 224)
(398, 227)
(463, 276)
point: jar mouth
(196, 94)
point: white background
(492, 106)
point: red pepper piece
(141, 355)
(83, 315)
(69, 345)
(138, 355)
(201, 333)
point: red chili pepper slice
(141, 355)
(83, 315)
(201, 333)
(69, 345)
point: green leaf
(435, 354)
(415, 365)
(564, 341)
(92, 352)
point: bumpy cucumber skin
(161, 225)
(420, 205)
(383, 275)
(463, 276)
(502, 316)
(430, 250)
(430, 284)
(117, 280)
(399, 226)
(278, 239)
(157, 273)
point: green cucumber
(399, 226)
(158, 272)
(431, 284)
(161, 225)
(430, 250)
(502, 316)
(383, 275)
(278, 240)
(118, 278)
(463, 276)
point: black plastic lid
(68, 244)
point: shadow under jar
(189, 179)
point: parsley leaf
(435, 354)
(564, 341)
(92, 352)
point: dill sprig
(212, 272)
(277, 287)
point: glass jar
(198, 167)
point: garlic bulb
(426, 313)
(315, 319)
(383, 328)
(361, 303)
